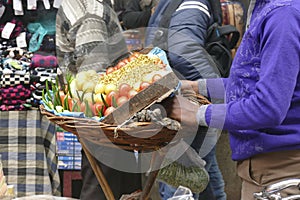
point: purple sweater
(262, 93)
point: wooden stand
(157, 159)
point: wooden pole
(157, 159)
(99, 174)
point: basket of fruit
(117, 108)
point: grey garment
(148, 3)
(249, 13)
(88, 36)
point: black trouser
(119, 182)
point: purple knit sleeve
(212, 88)
(269, 98)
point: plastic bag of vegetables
(184, 169)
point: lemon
(59, 109)
(81, 75)
(73, 86)
(79, 84)
(110, 87)
(97, 98)
(99, 88)
(88, 86)
(88, 97)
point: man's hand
(182, 110)
(189, 85)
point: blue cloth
(28, 153)
(216, 182)
(263, 88)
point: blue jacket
(186, 38)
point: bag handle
(166, 17)
(231, 30)
(215, 31)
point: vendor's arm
(212, 88)
(274, 93)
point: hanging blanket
(28, 151)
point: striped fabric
(88, 36)
(28, 153)
(194, 5)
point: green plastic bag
(183, 166)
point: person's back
(187, 35)
(82, 36)
(89, 36)
(137, 13)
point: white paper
(7, 30)
(2, 9)
(19, 12)
(17, 5)
(21, 40)
(46, 4)
(31, 4)
(57, 3)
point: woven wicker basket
(139, 136)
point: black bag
(220, 38)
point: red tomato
(124, 88)
(121, 100)
(76, 106)
(98, 108)
(110, 96)
(62, 97)
(120, 64)
(131, 58)
(131, 93)
(110, 70)
(70, 102)
(125, 60)
(109, 110)
(156, 77)
(144, 85)
(101, 75)
(92, 107)
(82, 107)
(136, 54)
